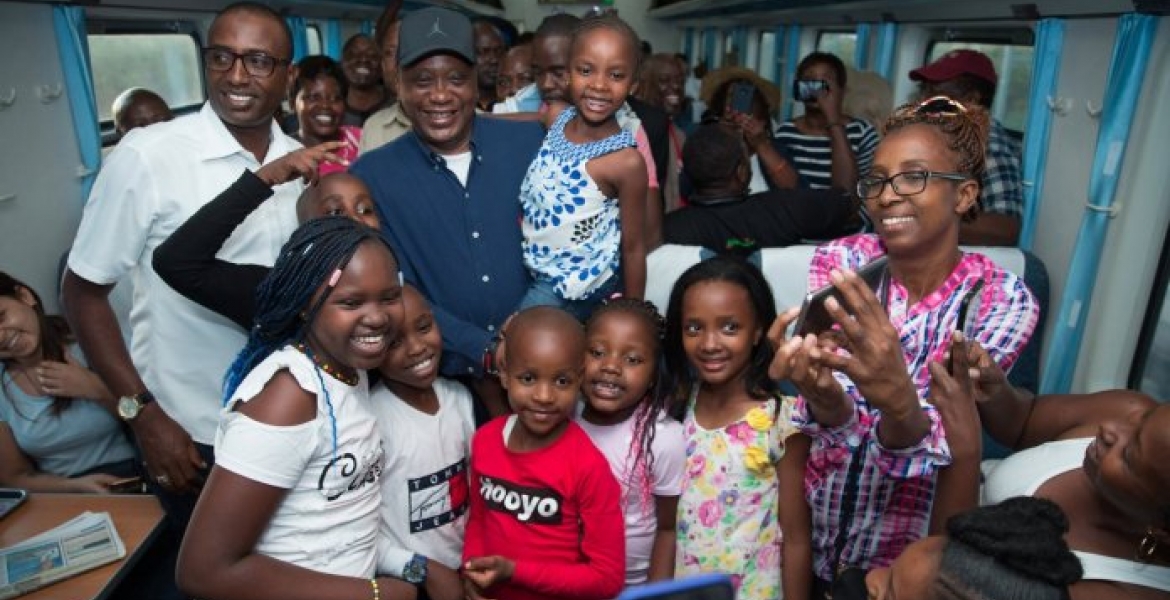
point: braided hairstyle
(311, 261)
(613, 23)
(55, 333)
(1014, 550)
(965, 131)
(656, 400)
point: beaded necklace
(350, 379)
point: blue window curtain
(332, 35)
(887, 47)
(1131, 54)
(861, 50)
(741, 37)
(709, 47)
(1045, 66)
(791, 59)
(777, 54)
(368, 27)
(300, 35)
(689, 45)
(73, 48)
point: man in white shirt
(169, 384)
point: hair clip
(334, 277)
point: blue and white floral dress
(572, 231)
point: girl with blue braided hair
(291, 508)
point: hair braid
(653, 404)
(1014, 550)
(965, 132)
(613, 23)
(311, 260)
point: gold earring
(1147, 546)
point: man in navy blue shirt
(448, 193)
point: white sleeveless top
(1022, 473)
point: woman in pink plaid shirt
(868, 408)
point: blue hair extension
(285, 306)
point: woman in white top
(290, 510)
(1103, 458)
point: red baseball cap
(955, 63)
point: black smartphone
(809, 89)
(742, 94)
(815, 318)
(700, 587)
(10, 498)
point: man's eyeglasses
(257, 64)
(906, 183)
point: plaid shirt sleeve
(1008, 315)
(1003, 191)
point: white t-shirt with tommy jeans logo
(425, 481)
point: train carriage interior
(1083, 90)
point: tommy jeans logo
(438, 498)
(436, 30)
(528, 505)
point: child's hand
(486, 571)
(302, 163)
(472, 591)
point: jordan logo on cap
(436, 30)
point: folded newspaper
(80, 544)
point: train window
(314, 36)
(166, 63)
(1013, 65)
(840, 43)
(767, 59)
(1150, 371)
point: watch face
(128, 407)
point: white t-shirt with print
(669, 448)
(425, 482)
(328, 521)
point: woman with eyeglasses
(876, 440)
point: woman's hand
(755, 134)
(988, 380)
(831, 103)
(799, 360)
(952, 393)
(98, 483)
(302, 163)
(70, 380)
(876, 363)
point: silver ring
(163, 480)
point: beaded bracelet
(374, 586)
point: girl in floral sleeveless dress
(737, 492)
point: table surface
(138, 518)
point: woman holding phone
(740, 97)
(830, 149)
(874, 436)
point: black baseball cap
(433, 30)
